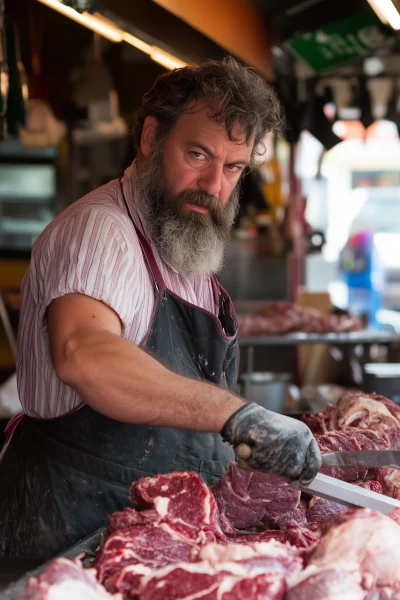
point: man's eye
(233, 168)
(197, 155)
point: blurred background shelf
(358, 337)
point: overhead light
(159, 56)
(387, 12)
(109, 30)
(96, 22)
(136, 42)
(166, 59)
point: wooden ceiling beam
(235, 25)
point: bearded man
(127, 358)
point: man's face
(199, 156)
(188, 191)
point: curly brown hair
(242, 97)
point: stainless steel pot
(266, 388)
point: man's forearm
(121, 381)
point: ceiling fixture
(136, 42)
(387, 12)
(106, 28)
(99, 25)
(165, 59)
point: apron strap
(147, 251)
(151, 261)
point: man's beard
(193, 243)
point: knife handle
(243, 451)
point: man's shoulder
(107, 199)
(101, 207)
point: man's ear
(149, 135)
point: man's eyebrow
(207, 150)
(240, 161)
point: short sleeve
(85, 252)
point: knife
(336, 490)
(362, 458)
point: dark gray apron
(60, 477)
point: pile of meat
(252, 536)
(171, 546)
(279, 318)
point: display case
(29, 200)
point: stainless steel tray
(89, 545)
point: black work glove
(279, 444)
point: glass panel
(27, 194)
(27, 181)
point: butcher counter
(250, 531)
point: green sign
(342, 41)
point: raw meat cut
(181, 514)
(329, 584)
(302, 537)
(316, 422)
(130, 517)
(368, 411)
(390, 480)
(197, 581)
(258, 500)
(355, 409)
(372, 485)
(360, 548)
(267, 557)
(184, 503)
(351, 440)
(62, 580)
(142, 544)
(334, 441)
(126, 580)
(252, 325)
(228, 572)
(320, 509)
(278, 318)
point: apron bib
(59, 478)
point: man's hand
(279, 444)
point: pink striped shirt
(91, 248)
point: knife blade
(362, 458)
(348, 494)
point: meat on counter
(252, 536)
(279, 318)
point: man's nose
(210, 180)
